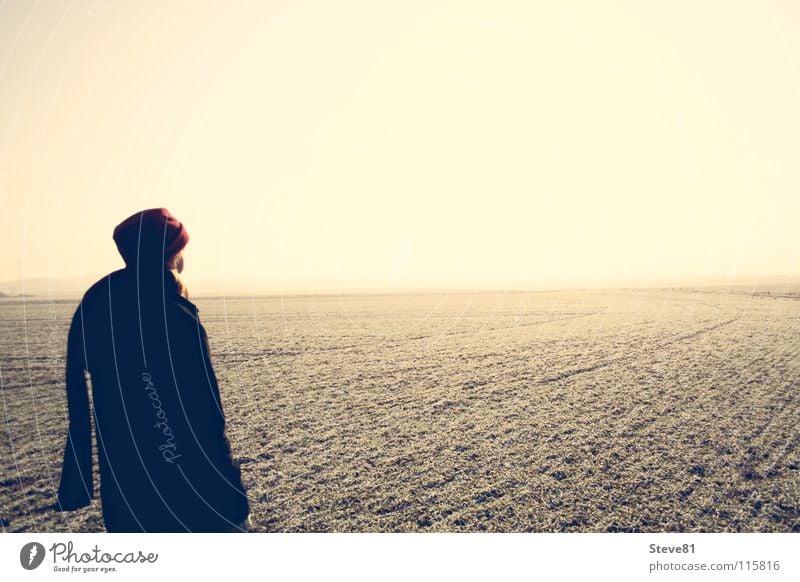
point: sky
(338, 145)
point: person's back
(165, 462)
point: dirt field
(630, 410)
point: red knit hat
(150, 231)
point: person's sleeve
(203, 406)
(231, 464)
(76, 488)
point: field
(600, 411)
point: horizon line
(264, 290)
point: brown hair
(180, 287)
(172, 267)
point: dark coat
(165, 461)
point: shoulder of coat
(98, 290)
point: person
(164, 458)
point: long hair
(172, 267)
(180, 286)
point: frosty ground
(601, 411)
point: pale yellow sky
(324, 144)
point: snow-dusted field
(630, 410)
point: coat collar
(185, 302)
